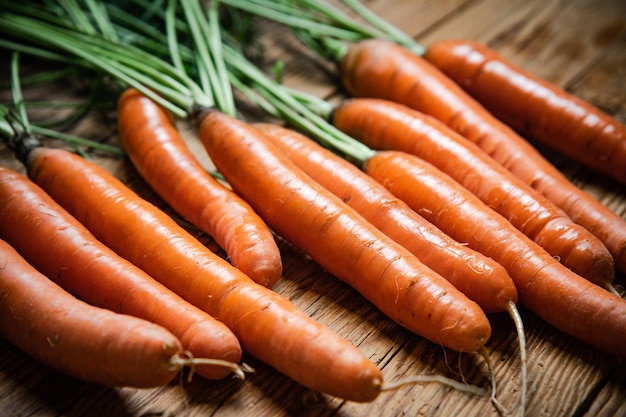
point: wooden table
(579, 44)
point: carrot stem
(186, 359)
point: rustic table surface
(578, 44)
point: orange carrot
(267, 324)
(380, 69)
(562, 298)
(159, 153)
(477, 276)
(383, 124)
(537, 109)
(86, 268)
(86, 342)
(339, 239)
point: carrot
(383, 124)
(339, 239)
(562, 298)
(86, 268)
(86, 342)
(380, 69)
(477, 276)
(159, 153)
(537, 109)
(268, 325)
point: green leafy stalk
(295, 17)
(390, 31)
(19, 134)
(102, 56)
(280, 101)
(320, 24)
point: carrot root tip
(426, 379)
(186, 358)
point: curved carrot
(562, 298)
(539, 110)
(86, 268)
(381, 69)
(340, 240)
(477, 276)
(89, 343)
(383, 124)
(159, 153)
(267, 324)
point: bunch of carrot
(454, 192)
(369, 120)
(161, 248)
(418, 77)
(170, 332)
(399, 285)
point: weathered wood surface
(578, 44)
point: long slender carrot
(269, 326)
(159, 153)
(477, 276)
(89, 343)
(86, 268)
(381, 69)
(383, 124)
(562, 298)
(339, 239)
(537, 109)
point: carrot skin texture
(477, 276)
(99, 276)
(159, 153)
(86, 342)
(339, 239)
(383, 124)
(268, 325)
(562, 298)
(537, 109)
(380, 69)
